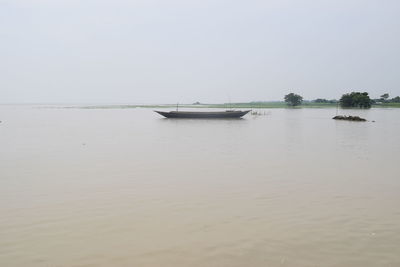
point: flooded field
(126, 187)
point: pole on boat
(177, 106)
(229, 103)
(337, 108)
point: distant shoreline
(249, 105)
(262, 105)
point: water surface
(125, 187)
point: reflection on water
(129, 188)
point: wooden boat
(228, 114)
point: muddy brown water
(125, 187)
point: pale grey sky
(160, 51)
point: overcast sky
(160, 51)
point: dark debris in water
(348, 118)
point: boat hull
(203, 115)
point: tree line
(349, 100)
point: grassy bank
(387, 105)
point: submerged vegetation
(349, 118)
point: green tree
(325, 101)
(293, 99)
(321, 100)
(355, 100)
(395, 99)
(384, 97)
